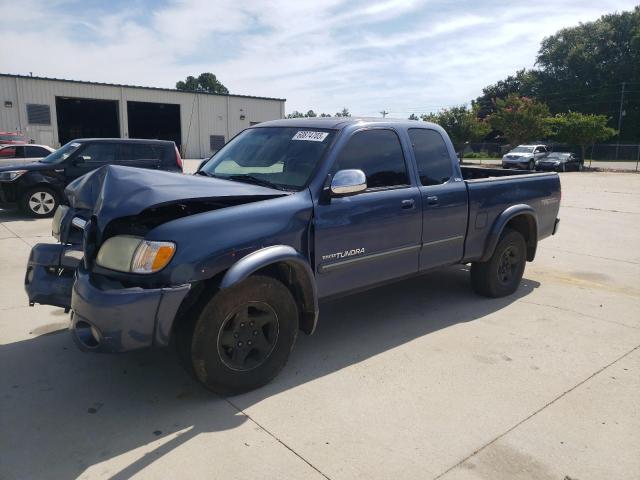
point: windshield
(522, 149)
(61, 154)
(282, 157)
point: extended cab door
(444, 200)
(372, 236)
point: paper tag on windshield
(310, 136)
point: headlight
(11, 176)
(126, 253)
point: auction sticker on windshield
(310, 136)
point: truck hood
(113, 191)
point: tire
(563, 168)
(532, 165)
(501, 274)
(580, 167)
(39, 202)
(242, 336)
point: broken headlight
(127, 253)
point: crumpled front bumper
(106, 316)
(107, 319)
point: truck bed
(493, 190)
(475, 173)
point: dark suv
(38, 187)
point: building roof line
(104, 84)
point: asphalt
(418, 380)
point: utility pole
(620, 115)
(384, 113)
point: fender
(302, 281)
(498, 226)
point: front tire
(243, 336)
(532, 165)
(501, 274)
(39, 202)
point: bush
(481, 155)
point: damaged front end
(115, 311)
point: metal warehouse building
(52, 112)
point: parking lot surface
(421, 379)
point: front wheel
(501, 274)
(40, 202)
(243, 336)
(532, 165)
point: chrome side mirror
(348, 182)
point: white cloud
(402, 56)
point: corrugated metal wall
(201, 115)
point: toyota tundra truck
(230, 263)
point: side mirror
(80, 159)
(348, 182)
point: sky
(402, 56)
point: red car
(11, 138)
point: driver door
(90, 157)
(372, 236)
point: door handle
(407, 204)
(432, 200)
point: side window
(34, 152)
(99, 153)
(139, 152)
(20, 152)
(378, 154)
(9, 152)
(432, 156)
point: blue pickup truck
(230, 263)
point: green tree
(520, 119)
(323, 115)
(413, 116)
(295, 114)
(461, 124)
(206, 82)
(582, 69)
(580, 129)
(343, 113)
(310, 114)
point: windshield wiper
(254, 180)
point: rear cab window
(378, 153)
(432, 156)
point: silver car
(16, 154)
(524, 157)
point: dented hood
(114, 191)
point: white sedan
(20, 154)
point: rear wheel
(580, 166)
(242, 337)
(501, 274)
(40, 202)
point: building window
(38, 114)
(216, 142)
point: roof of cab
(338, 123)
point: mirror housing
(348, 182)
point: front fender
(500, 223)
(302, 282)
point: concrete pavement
(421, 379)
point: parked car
(20, 154)
(12, 138)
(38, 187)
(524, 157)
(230, 263)
(561, 162)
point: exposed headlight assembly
(11, 175)
(126, 253)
